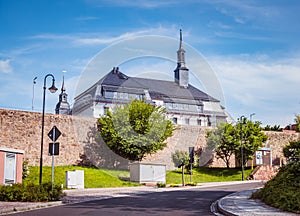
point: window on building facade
(209, 121)
(199, 122)
(175, 120)
(105, 110)
(187, 121)
(199, 108)
(109, 94)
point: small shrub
(191, 184)
(175, 185)
(292, 151)
(30, 192)
(161, 185)
(283, 190)
(25, 172)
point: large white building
(184, 103)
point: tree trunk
(227, 164)
(182, 175)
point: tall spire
(180, 44)
(63, 106)
(63, 90)
(181, 72)
(181, 53)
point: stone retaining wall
(80, 145)
(263, 172)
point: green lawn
(100, 178)
(204, 174)
(93, 178)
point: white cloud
(215, 24)
(52, 37)
(5, 66)
(230, 34)
(97, 38)
(243, 12)
(86, 18)
(136, 3)
(267, 87)
(94, 39)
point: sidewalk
(233, 204)
(240, 204)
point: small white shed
(147, 173)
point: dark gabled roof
(117, 78)
(162, 89)
(158, 89)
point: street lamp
(242, 151)
(52, 89)
(252, 114)
(34, 82)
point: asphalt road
(194, 201)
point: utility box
(263, 156)
(11, 166)
(148, 173)
(75, 179)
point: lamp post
(34, 82)
(252, 114)
(52, 89)
(242, 150)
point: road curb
(21, 207)
(222, 209)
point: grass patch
(101, 178)
(93, 178)
(205, 174)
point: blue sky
(252, 46)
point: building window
(199, 122)
(105, 110)
(180, 106)
(109, 94)
(200, 108)
(175, 120)
(209, 122)
(187, 121)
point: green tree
(251, 139)
(297, 120)
(273, 128)
(135, 129)
(292, 151)
(180, 158)
(224, 140)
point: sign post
(54, 134)
(191, 162)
